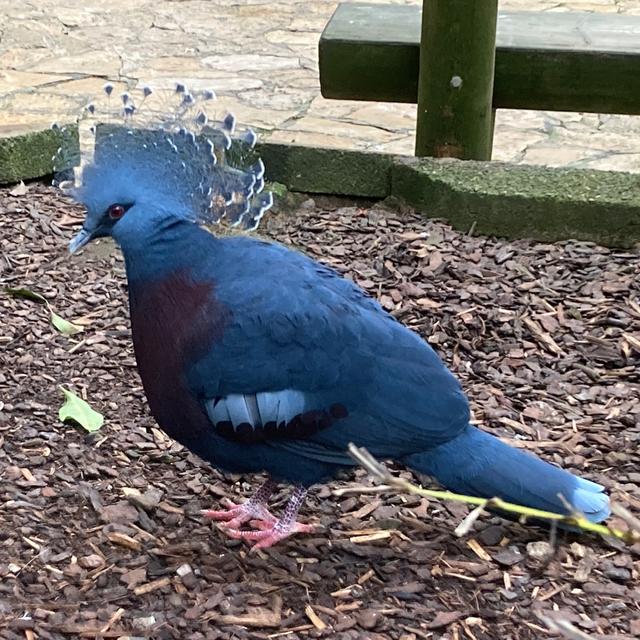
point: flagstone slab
(261, 58)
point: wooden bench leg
(455, 86)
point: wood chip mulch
(101, 537)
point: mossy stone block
(30, 155)
(518, 201)
(316, 170)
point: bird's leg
(253, 509)
(271, 532)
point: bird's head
(142, 163)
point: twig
(381, 488)
(465, 526)
(112, 620)
(630, 520)
(380, 472)
(564, 628)
(160, 583)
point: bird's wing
(308, 356)
(288, 414)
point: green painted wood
(455, 83)
(371, 52)
(559, 61)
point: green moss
(512, 201)
(30, 155)
(501, 179)
(333, 171)
(524, 201)
(277, 188)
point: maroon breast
(174, 322)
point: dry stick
(381, 488)
(380, 472)
(564, 628)
(630, 520)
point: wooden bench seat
(549, 61)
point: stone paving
(261, 58)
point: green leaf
(21, 292)
(76, 409)
(64, 326)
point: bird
(259, 359)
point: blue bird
(259, 359)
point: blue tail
(476, 463)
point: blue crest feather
(166, 151)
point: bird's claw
(268, 533)
(238, 514)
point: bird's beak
(79, 240)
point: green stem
(379, 471)
(575, 520)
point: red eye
(116, 211)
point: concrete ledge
(316, 170)
(513, 201)
(29, 155)
(519, 201)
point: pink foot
(237, 514)
(269, 533)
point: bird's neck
(174, 245)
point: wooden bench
(560, 61)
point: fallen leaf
(21, 292)
(64, 326)
(76, 409)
